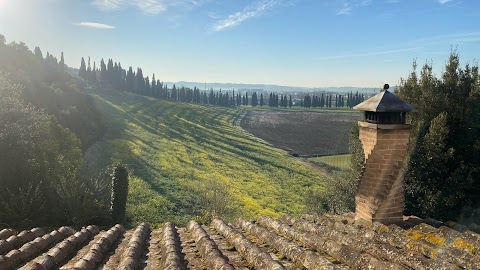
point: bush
(40, 163)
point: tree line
(332, 100)
(112, 75)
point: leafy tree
(441, 178)
(38, 156)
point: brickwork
(380, 195)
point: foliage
(42, 109)
(215, 200)
(37, 156)
(173, 149)
(46, 86)
(442, 173)
(357, 156)
(119, 193)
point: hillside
(185, 158)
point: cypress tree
(89, 71)
(130, 80)
(254, 99)
(154, 86)
(93, 79)
(147, 86)
(62, 65)
(103, 73)
(83, 70)
(118, 204)
(140, 82)
(38, 53)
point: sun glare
(5, 5)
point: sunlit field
(172, 148)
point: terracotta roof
(385, 102)
(310, 242)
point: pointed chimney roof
(385, 102)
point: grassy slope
(341, 162)
(171, 147)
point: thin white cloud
(373, 53)
(349, 6)
(149, 7)
(365, 2)
(96, 25)
(346, 10)
(449, 3)
(253, 10)
(108, 5)
(451, 39)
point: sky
(307, 43)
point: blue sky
(287, 42)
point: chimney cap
(385, 102)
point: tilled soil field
(304, 133)
(310, 242)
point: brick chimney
(384, 135)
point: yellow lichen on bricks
(415, 235)
(383, 228)
(463, 245)
(434, 239)
(410, 244)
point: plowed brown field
(305, 133)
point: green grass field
(341, 162)
(173, 148)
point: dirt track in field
(305, 133)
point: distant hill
(271, 87)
